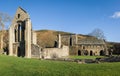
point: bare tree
(98, 33)
(4, 19)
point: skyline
(75, 16)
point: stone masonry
(20, 35)
(23, 41)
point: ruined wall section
(34, 37)
(20, 34)
(65, 40)
(35, 51)
(49, 53)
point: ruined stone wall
(95, 49)
(20, 32)
(74, 39)
(55, 52)
(92, 49)
(73, 50)
(34, 37)
(69, 40)
(65, 40)
(35, 51)
(15, 48)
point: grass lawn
(86, 57)
(14, 66)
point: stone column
(106, 49)
(2, 41)
(10, 41)
(59, 41)
(28, 38)
(34, 37)
(76, 39)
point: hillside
(46, 38)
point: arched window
(19, 32)
(15, 35)
(18, 15)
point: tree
(98, 33)
(4, 19)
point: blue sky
(76, 16)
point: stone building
(21, 36)
(23, 40)
(84, 46)
(59, 51)
(91, 47)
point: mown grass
(86, 57)
(14, 66)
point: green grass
(14, 66)
(86, 57)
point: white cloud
(116, 15)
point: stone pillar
(2, 41)
(28, 38)
(106, 49)
(34, 38)
(10, 41)
(59, 41)
(76, 39)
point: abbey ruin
(20, 35)
(23, 41)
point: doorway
(79, 52)
(91, 53)
(101, 53)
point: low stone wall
(79, 61)
(110, 59)
(89, 61)
(35, 51)
(50, 53)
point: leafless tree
(4, 20)
(98, 33)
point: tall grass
(14, 66)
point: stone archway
(79, 52)
(91, 53)
(101, 52)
